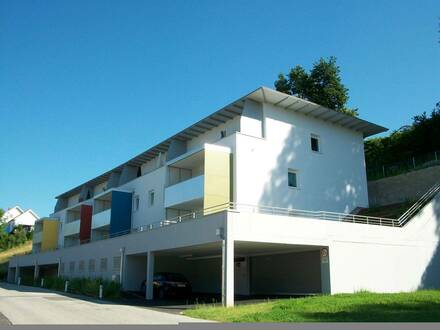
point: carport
(259, 269)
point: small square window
(151, 198)
(314, 143)
(292, 179)
(136, 202)
(223, 133)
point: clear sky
(86, 85)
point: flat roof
(261, 94)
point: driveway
(29, 305)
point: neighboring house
(251, 200)
(15, 216)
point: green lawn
(420, 306)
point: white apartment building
(254, 199)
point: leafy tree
(322, 85)
(2, 212)
(421, 137)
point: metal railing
(425, 199)
(379, 171)
(320, 215)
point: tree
(417, 139)
(322, 85)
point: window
(72, 266)
(292, 179)
(136, 202)
(117, 264)
(314, 143)
(103, 265)
(91, 265)
(151, 198)
(81, 266)
(222, 133)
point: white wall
(332, 180)
(73, 200)
(362, 257)
(213, 135)
(99, 188)
(154, 180)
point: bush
(84, 286)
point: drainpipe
(58, 270)
(121, 267)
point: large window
(292, 178)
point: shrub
(85, 286)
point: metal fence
(408, 165)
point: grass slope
(6, 255)
(18, 250)
(420, 306)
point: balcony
(37, 237)
(111, 214)
(185, 193)
(71, 228)
(101, 219)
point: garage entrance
(260, 270)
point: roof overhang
(262, 94)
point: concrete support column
(228, 272)
(325, 271)
(36, 270)
(17, 274)
(150, 275)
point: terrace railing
(320, 215)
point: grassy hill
(419, 306)
(6, 255)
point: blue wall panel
(120, 219)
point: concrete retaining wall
(403, 187)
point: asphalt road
(28, 305)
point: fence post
(100, 291)
(66, 286)
(414, 162)
(18, 281)
(383, 170)
(42, 282)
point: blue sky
(85, 85)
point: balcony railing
(101, 219)
(37, 237)
(71, 228)
(184, 191)
(294, 213)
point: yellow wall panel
(49, 235)
(217, 180)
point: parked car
(169, 284)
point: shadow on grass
(390, 312)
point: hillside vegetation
(6, 255)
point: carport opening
(261, 270)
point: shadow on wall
(320, 188)
(431, 276)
